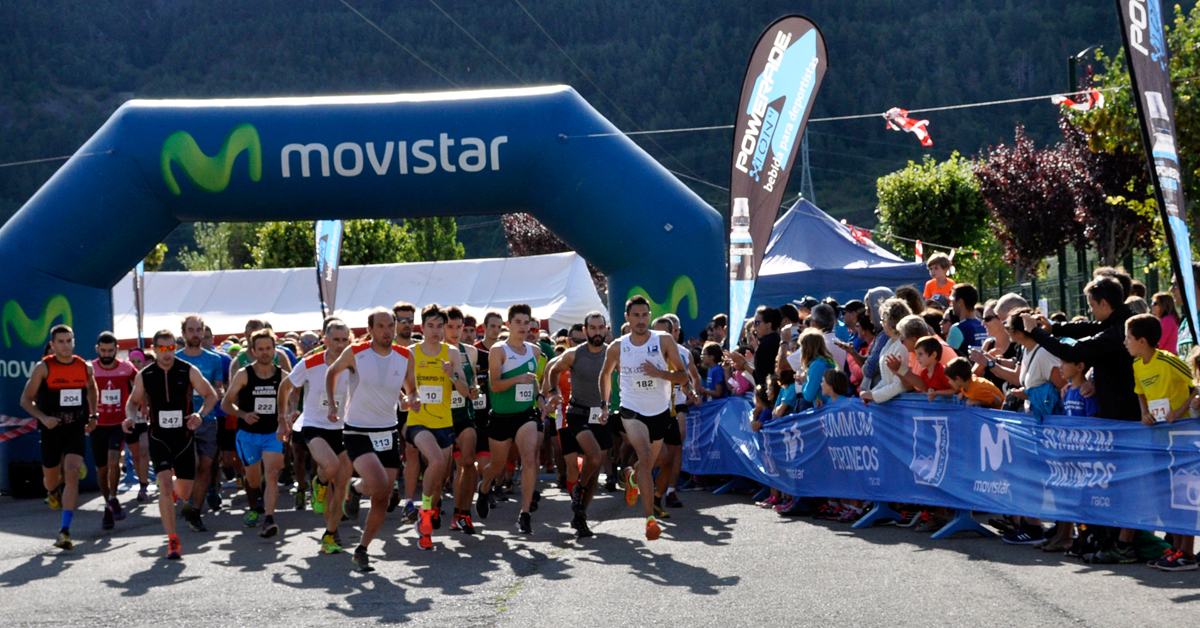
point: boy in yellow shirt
(1163, 384)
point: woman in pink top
(1164, 309)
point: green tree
(931, 201)
(434, 239)
(221, 246)
(1115, 127)
(285, 244)
(154, 258)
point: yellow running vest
(433, 387)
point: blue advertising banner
(329, 251)
(1117, 473)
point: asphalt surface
(721, 561)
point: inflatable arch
(155, 164)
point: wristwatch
(604, 404)
(990, 364)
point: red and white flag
(1088, 100)
(861, 235)
(920, 252)
(898, 120)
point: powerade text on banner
(1149, 72)
(782, 79)
(329, 249)
(909, 450)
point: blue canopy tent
(810, 253)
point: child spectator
(938, 265)
(1164, 309)
(815, 359)
(714, 380)
(933, 373)
(976, 390)
(762, 407)
(1074, 403)
(1163, 384)
(968, 333)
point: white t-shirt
(311, 371)
(1036, 367)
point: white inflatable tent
(558, 287)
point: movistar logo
(34, 332)
(680, 289)
(210, 174)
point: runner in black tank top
(166, 387)
(253, 398)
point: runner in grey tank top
(587, 413)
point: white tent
(558, 287)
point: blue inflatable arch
(155, 164)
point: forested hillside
(65, 66)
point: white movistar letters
(991, 452)
(474, 155)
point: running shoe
(142, 496)
(454, 521)
(425, 527)
(329, 544)
(1177, 562)
(670, 500)
(106, 523)
(577, 519)
(411, 513)
(533, 503)
(911, 518)
(610, 486)
(213, 499)
(320, 492)
(577, 497)
(524, 523)
(931, 525)
(54, 498)
(652, 529)
(269, 530)
(1167, 553)
(1025, 535)
(395, 499)
(831, 514)
(250, 519)
(362, 561)
(300, 501)
(353, 503)
(1112, 556)
(64, 541)
(822, 510)
(117, 510)
(464, 524)
(425, 542)
(337, 538)
(660, 513)
(83, 471)
(631, 489)
(770, 502)
(174, 548)
(784, 504)
(482, 505)
(849, 515)
(583, 531)
(436, 518)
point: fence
(908, 450)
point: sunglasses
(165, 348)
(988, 319)
(407, 319)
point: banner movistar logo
(210, 174)
(682, 288)
(33, 332)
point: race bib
(110, 397)
(70, 398)
(457, 401)
(430, 394)
(170, 419)
(481, 402)
(645, 384)
(1159, 409)
(264, 405)
(381, 441)
(594, 415)
(524, 392)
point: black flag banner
(1149, 72)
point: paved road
(721, 562)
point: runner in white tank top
(385, 377)
(650, 365)
(322, 437)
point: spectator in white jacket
(891, 384)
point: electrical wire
(402, 46)
(472, 38)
